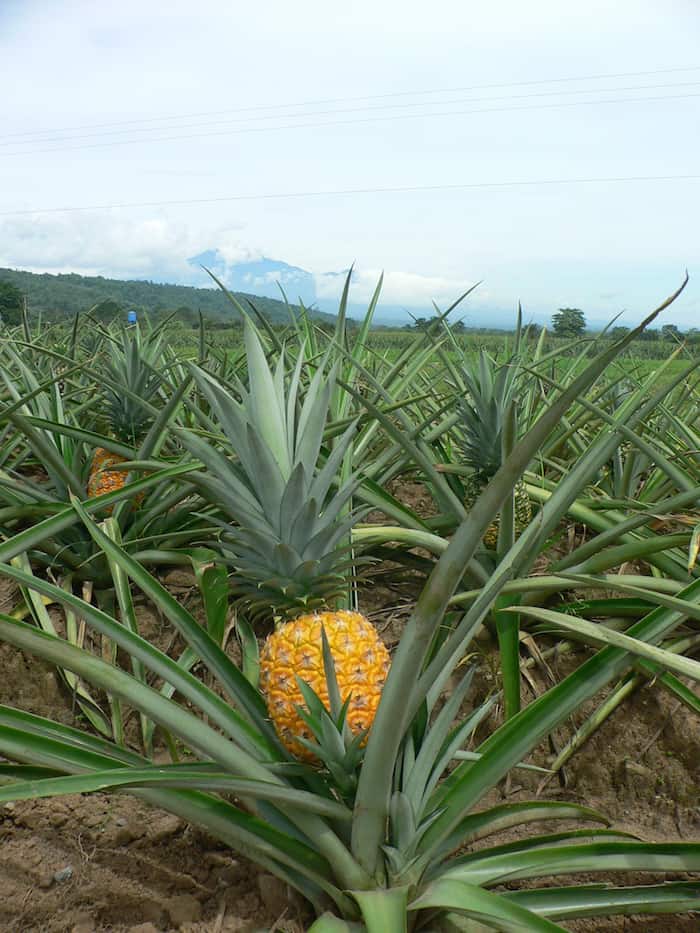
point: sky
(226, 106)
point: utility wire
(387, 118)
(400, 189)
(384, 96)
(337, 111)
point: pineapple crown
(288, 534)
(132, 378)
(489, 400)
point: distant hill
(68, 293)
(262, 276)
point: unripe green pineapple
(474, 485)
(483, 413)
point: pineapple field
(318, 630)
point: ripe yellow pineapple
(103, 480)
(287, 541)
(294, 650)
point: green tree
(108, 310)
(533, 331)
(671, 332)
(569, 322)
(187, 316)
(11, 301)
(617, 333)
(649, 335)
(63, 295)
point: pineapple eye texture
(361, 663)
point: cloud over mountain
(247, 271)
(258, 275)
(156, 248)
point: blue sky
(153, 102)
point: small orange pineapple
(103, 480)
(295, 650)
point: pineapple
(482, 417)
(131, 379)
(475, 485)
(102, 478)
(294, 650)
(288, 541)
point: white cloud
(89, 243)
(114, 244)
(121, 246)
(118, 244)
(602, 247)
(232, 251)
(407, 289)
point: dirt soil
(111, 863)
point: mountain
(265, 276)
(252, 279)
(260, 276)
(69, 293)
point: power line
(400, 189)
(336, 111)
(387, 118)
(386, 95)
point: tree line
(567, 323)
(56, 297)
(570, 323)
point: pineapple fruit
(483, 414)
(131, 379)
(102, 479)
(294, 650)
(475, 484)
(288, 539)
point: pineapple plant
(407, 847)
(131, 381)
(288, 540)
(483, 416)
